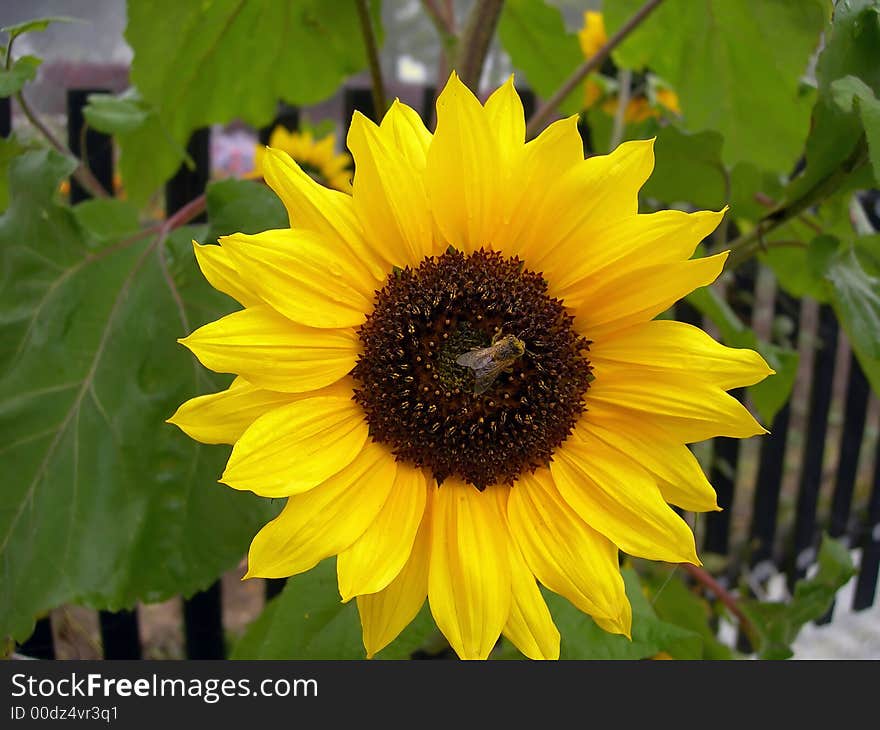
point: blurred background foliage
(768, 106)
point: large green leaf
(309, 621)
(688, 169)
(675, 603)
(777, 624)
(737, 68)
(851, 49)
(533, 34)
(106, 503)
(10, 148)
(853, 94)
(242, 206)
(213, 61)
(801, 269)
(148, 154)
(855, 296)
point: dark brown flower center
(470, 369)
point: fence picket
(805, 535)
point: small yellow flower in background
(668, 99)
(318, 158)
(592, 35)
(455, 378)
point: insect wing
(476, 359)
(484, 377)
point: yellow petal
(464, 174)
(377, 556)
(529, 626)
(403, 128)
(586, 200)
(325, 520)
(386, 613)
(665, 237)
(469, 575)
(329, 213)
(544, 160)
(389, 195)
(682, 349)
(309, 280)
(222, 275)
(504, 112)
(272, 352)
(640, 294)
(618, 498)
(676, 470)
(221, 418)
(564, 552)
(688, 409)
(295, 447)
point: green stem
(542, 115)
(475, 40)
(624, 78)
(443, 23)
(749, 244)
(375, 64)
(82, 174)
(701, 576)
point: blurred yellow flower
(592, 36)
(668, 99)
(318, 158)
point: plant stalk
(379, 103)
(749, 244)
(475, 40)
(542, 115)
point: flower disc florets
(425, 406)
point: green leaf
(107, 220)
(211, 62)
(36, 25)
(23, 70)
(115, 114)
(770, 394)
(533, 34)
(10, 148)
(736, 66)
(777, 624)
(855, 296)
(107, 504)
(242, 206)
(748, 183)
(688, 169)
(149, 155)
(675, 603)
(583, 639)
(853, 94)
(850, 50)
(309, 621)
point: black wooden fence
(772, 542)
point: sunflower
(455, 378)
(317, 158)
